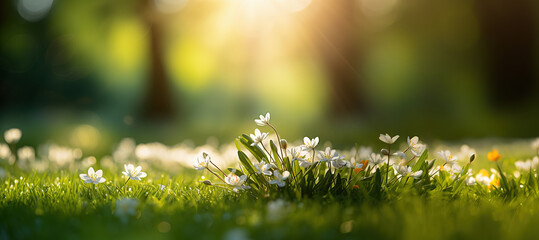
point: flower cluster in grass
(267, 165)
(273, 167)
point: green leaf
(287, 164)
(419, 164)
(275, 154)
(504, 183)
(246, 163)
(376, 190)
(255, 150)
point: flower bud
(384, 152)
(472, 157)
(207, 182)
(205, 155)
(284, 144)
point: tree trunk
(337, 43)
(508, 31)
(158, 103)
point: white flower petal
(285, 175)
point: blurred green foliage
(431, 68)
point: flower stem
(269, 154)
(410, 160)
(218, 168)
(388, 155)
(215, 175)
(278, 140)
(406, 150)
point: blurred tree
(158, 103)
(508, 31)
(36, 69)
(336, 33)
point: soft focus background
(88, 73)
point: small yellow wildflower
(494, 155)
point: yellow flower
(483, 173)
(494, 155)
(489, 181)
(495, 182)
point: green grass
(54, 205)
(57, 204)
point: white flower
(417, 174)
(528, 164)
(535, 144)
(237, 182)
(258, 137)
(328, 155)
(484, 178)
(26, 153)
(376, 159)
(279, 179)
(296, 153)
(407, 171)
(126, 207)
(401, 155)
(402, 170)
(357, 165)
(412, 142)
(264, 168)
(306, 162)
(340, 163)
(388, 139)
(12, 135)
(310, 144)
(203, 162)
(263, 121)
(448, 158)
(133, 173)
(418, 149)
(4, 151)
(470, 181)
(93, 176)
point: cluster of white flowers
(130, 171)
(307, 156)
(49, 156)
(527, 165)
(486, 178)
